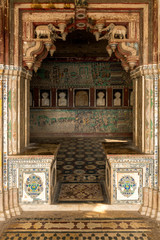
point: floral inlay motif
(34, 186)
(127, 186)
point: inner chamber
(81, 91)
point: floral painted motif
(127, 186)
(34, 186)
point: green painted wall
(80, 121)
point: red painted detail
(36, 97)
(126, 92)
(53, 97)
(70, 97)
(91, 97)
(109, 97)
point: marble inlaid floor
(81, 160)
(81, 226)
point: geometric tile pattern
(80, 192)
(75, 236)
(78, 228)
(81, 160)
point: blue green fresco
(81, 74)
(81, 121)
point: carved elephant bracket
(35, 50)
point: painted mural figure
(81, 99)
(62, 101)
(100, 99)
(117, 101)
(45, 99)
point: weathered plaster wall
(52, 121)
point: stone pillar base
(13, 214)
(6, 204)
(2, 216)
(145, 201)
(154, 213)
(155, 204)
(11, 203)
(149, 210)
(158, 216)
(143, 210)
(18, 211)
(158, 210)
(7, 213)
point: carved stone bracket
(35, 51)
(125, 50)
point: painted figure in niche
(131, 99)
(81, 99)
(101, 99)
(62, 101)
(45, 99)
(117, 100)
(83, 72)
(65, 76)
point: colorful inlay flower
(127, 186)
(34, 186)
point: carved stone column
(143, 78)
(19, 113)
(27, 108)
(14, 113)
(2, 215)
(135, 89)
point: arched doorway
(81, 91)
(20, 125)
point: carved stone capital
(145, 70)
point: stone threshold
(96, 207)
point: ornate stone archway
(131, 46)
